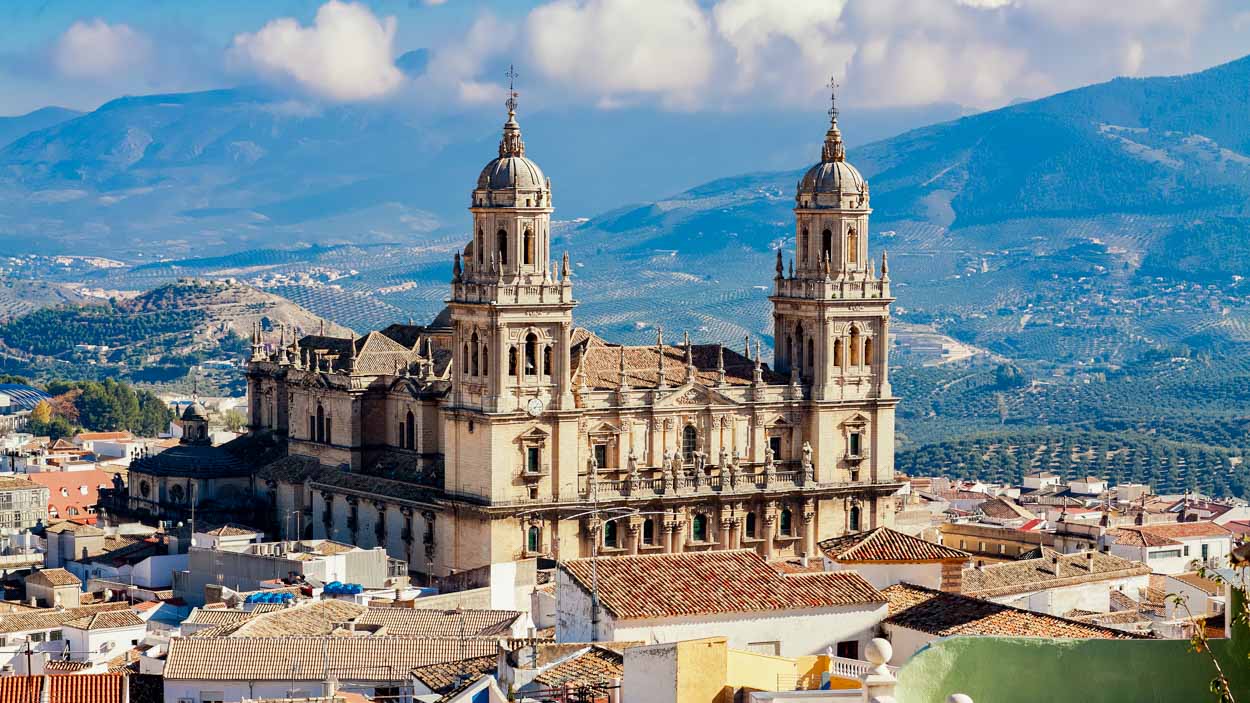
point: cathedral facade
(502, 430)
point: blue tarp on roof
(23, 397)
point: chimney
(45, 689)
(1089, 560)
(803, 560)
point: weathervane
(833, 97)
(512, 94)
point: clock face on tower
(534, 407)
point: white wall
(905, 642)
(158, 571)
(650, 675)
(1085, 596)
(90, 645)
(885, 574)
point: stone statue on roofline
(807, 461)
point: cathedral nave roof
(599, 364)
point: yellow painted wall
(701, 671)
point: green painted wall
(1023, 670)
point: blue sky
(672, 54)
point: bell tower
(511, 305)
(831, 316)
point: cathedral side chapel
(490, 434)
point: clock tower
(511, 402)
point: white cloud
(614, 47)
(347, 53)
(768, 35)
(456, 68)
(96, 49)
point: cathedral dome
(833, 175)
(511, 170)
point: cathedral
(503, 431)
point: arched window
(485, 360)
(852, 245)
(474, 346)
(837, 352)
(854, 346)
(481, 245)
(751, 525)
(788, 350)
(528, 244)
(803, 245)
(853, 519)
(689, 442)
(465, 359)
(648, 531)
(410, 431)
(533, 539)
(511, 361)
(868, 351)
(321, 424)
(502, 237)
(698, 528)
(609, 534)
(531, 354)
(811, 353)
(826, 246)
(786, 522)
(176, 494)
(547, 360)
(72, 510)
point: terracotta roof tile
(1205, 585)
(1050, 570)
(885, 544)
(593, 667)
(107, 620)
(421, 622)
(50, 618)
(75, 688)
(54, 577)
(441, 678)
(308, 658)
(946, 614)
(599, 364)
(698, 583)
(1167, 533)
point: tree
(234, 420)
(1003, 411)
(41, 413)
(154, 415)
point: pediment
(692, 394)
(606, 428)
(534, 433)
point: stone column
(669, 529)
(566, 366)
(634, 525)
(882, 350)
(770, 530)
(809, 529)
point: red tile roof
(885, 544)
(1167, 533)
(66, 688)
(700, 583)
(945, 614)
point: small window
(547, 360)
(532, 539)
(980, 546)
(55, 636)
(848, 649)
(1187, 550)
(648, 531)
(531, 354)
(826, 246)
(853, 445)
(64, 492)
(601, 455)
(853, 522)
(529, 245)
(503, 248)
(1206, 551)
(786, 522)
(774, 443)
(609, 534)
(689, 443)
(533, 459)
(37, 636)
(511, 361)
(698, 528)
(750, 527)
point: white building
(1042, 479)
(1087, 486)
(1055, 583)
(884, 557)
(733, 593)
(99, 637)
(230, 670)
(1172, 548)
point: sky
(679, 55)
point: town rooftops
(35, 619)
(103, 436)
(596, 665)
(1003, 509)
(703, 583)
(53, 577)
(944, 614)
(885, 544)
(75, 688)
(440, 623)
(1050, 570)
(1167, 533)
(107, 620)
(312, 658)
(231, 530)
(442, 678)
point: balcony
(748, 482)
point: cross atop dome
(511, 144)
(833, 149)
(512, 75)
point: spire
(885, 264)
(747, 353)
(720, 364)
(323, 327)
(624, 380)
(564, 267)
(659, 347)
(757, 374)
(455, 270)
(511, 144)
(833, 149)
(781, 268)
(351, 353)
